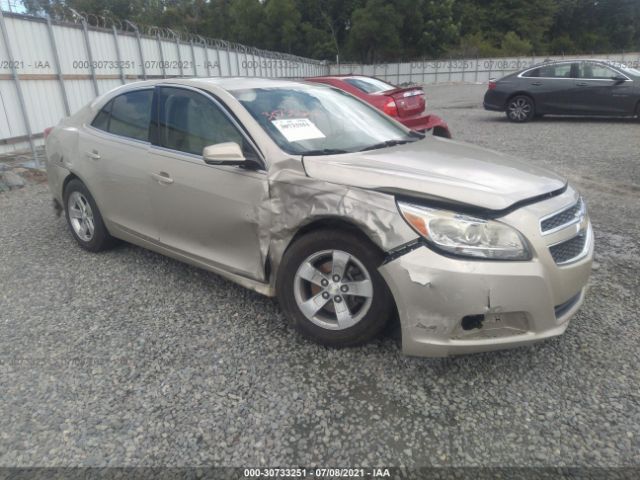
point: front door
(598, 93)
(213, 214)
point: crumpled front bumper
(519, 302)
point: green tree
(375, 32)
(512, 44)
(282, 19)
(246, 22)
(440, 30)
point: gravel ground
(128, 358)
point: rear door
(598, 93)
(115, 162)
(550, 85)
(212, 214)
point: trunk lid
(409, 101)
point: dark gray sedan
(572, 87)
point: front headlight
(467, 236)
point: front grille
(563, 218)
(569, 250)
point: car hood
(441, 170)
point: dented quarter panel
(297, 200)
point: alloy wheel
(333, 289)
(81, 216)
(520, 109)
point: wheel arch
(67, 179)
(523, 93)
(328, 222)
(316, 224)
(74, 176)
(441, 131)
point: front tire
(84, 219)
(520, 109)
(330, 289)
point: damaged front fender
(296, 200)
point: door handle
(162, 177)
(537, 84)
(93, 155)
(582, 84)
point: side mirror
(228, 153)
(619, 79)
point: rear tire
(330, 289)
(520, 109)
(84, 219)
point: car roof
(574, 60)
(241, 83)
(224, 83)
(339, 77)
(211, 84)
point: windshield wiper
(323, 151)
(387, 143)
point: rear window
(369, 85)
(127, 115)
(102, 119)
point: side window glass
(189, 121)
(532, 73)
(596, 71)
(101, 121)
(130, 114)
(562, 70)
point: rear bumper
(493, 108)
(424, 123)
(494, 101)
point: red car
(407, 105)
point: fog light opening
(471, 322)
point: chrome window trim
(521, 74)
(115, 135)
(610, 67)
(224, 111)
(585, 250)
(196, 159)
(577, 219)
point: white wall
(44, 91)
(461, 70)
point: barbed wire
(61, 13)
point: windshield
(369, 85)
(319, 120)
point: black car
(572, 87)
